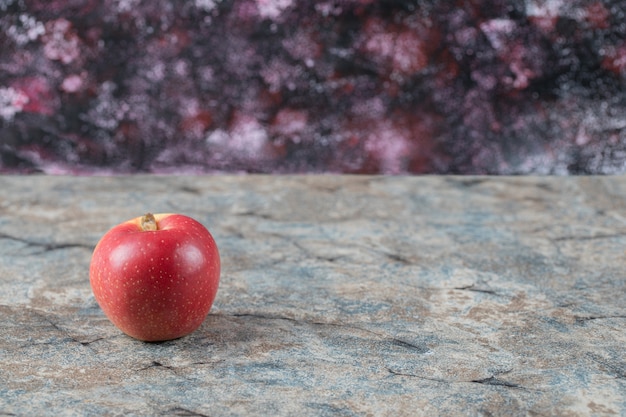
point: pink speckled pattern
(287, 86)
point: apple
(156, 276)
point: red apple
(156, 276)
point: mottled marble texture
(340, 296)
(288, 86)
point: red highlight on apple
(156, 276)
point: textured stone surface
(339, 296)
(286, 86)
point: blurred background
(292, 86)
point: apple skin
(156, 285)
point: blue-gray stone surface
(340, 295)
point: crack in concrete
(252, 213)
(396, 257)
(491, 381)
(592, 237)
(89, 342)
(156, 364)
(310, 254)
(616, 370)
(176, 370)
(67, 337)
(408, 375)
(472, 288)
(383, 337)
(402, 343)
(46, 247)
(583, 319)
(190, 190)
(183, 412)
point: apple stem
(148, 222)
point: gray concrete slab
(340, 295)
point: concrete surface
(340, 296)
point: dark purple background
(469, 87)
